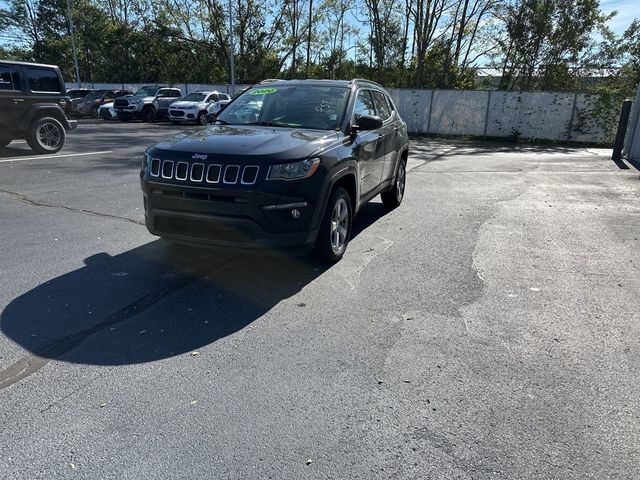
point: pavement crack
(28, 201)
(57, 347)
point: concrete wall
(559, 116)
(632, 139)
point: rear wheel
(335, 230)
(46, 135)
(393, 198)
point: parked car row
(147, 104)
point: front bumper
(229, 218)
(130, 109)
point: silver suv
(147, 104)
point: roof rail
(364, 80)
(269, 80)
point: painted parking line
(49, 157)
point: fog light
(295, 213)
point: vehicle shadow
(155, 301)
(17, 149)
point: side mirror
(369, 122)
(365, 122)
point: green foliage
(536, 44)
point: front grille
(176, 113)
(121, 102)
(199, 173)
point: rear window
(9, 78)
(43, 81)
(381, 105)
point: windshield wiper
(269, 124)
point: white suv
(194, 107)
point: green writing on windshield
(263, 91)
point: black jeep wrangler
(287, 164)
(34, 106)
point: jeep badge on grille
(200, 156)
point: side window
(364, 104)
(174, 93)
(9, 78)
(381, 105)
(213, 97)
(43, 81)
(163, 92)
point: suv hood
(130, 97)
(182, 104)
(246, 143)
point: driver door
(368, 146)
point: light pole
(73, 43)
(232, 66)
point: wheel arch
(42, 111)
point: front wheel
(393, 198)
(46, 135)
(202, 118)
(335, 230)
(148, 115)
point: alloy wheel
(339, 225)
(49, 135)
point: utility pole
(232, 66)
(309, 38)
(73, 43)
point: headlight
(191, 107)
(145, 162)
(136, 100)
(294, 170)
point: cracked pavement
(488, 328)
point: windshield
(94, 95)
(299, 106)
(194, 97)
(146, 92)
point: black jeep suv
(34, 106)
(286, 164)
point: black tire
(4, 142)
(148, 114)
(328, 246)
(105, 114)
(202, 118)
(393, 198)
(46, 135)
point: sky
(627, 11)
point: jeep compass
(286, 165)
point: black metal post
(622, 130)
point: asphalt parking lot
(487, 328)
